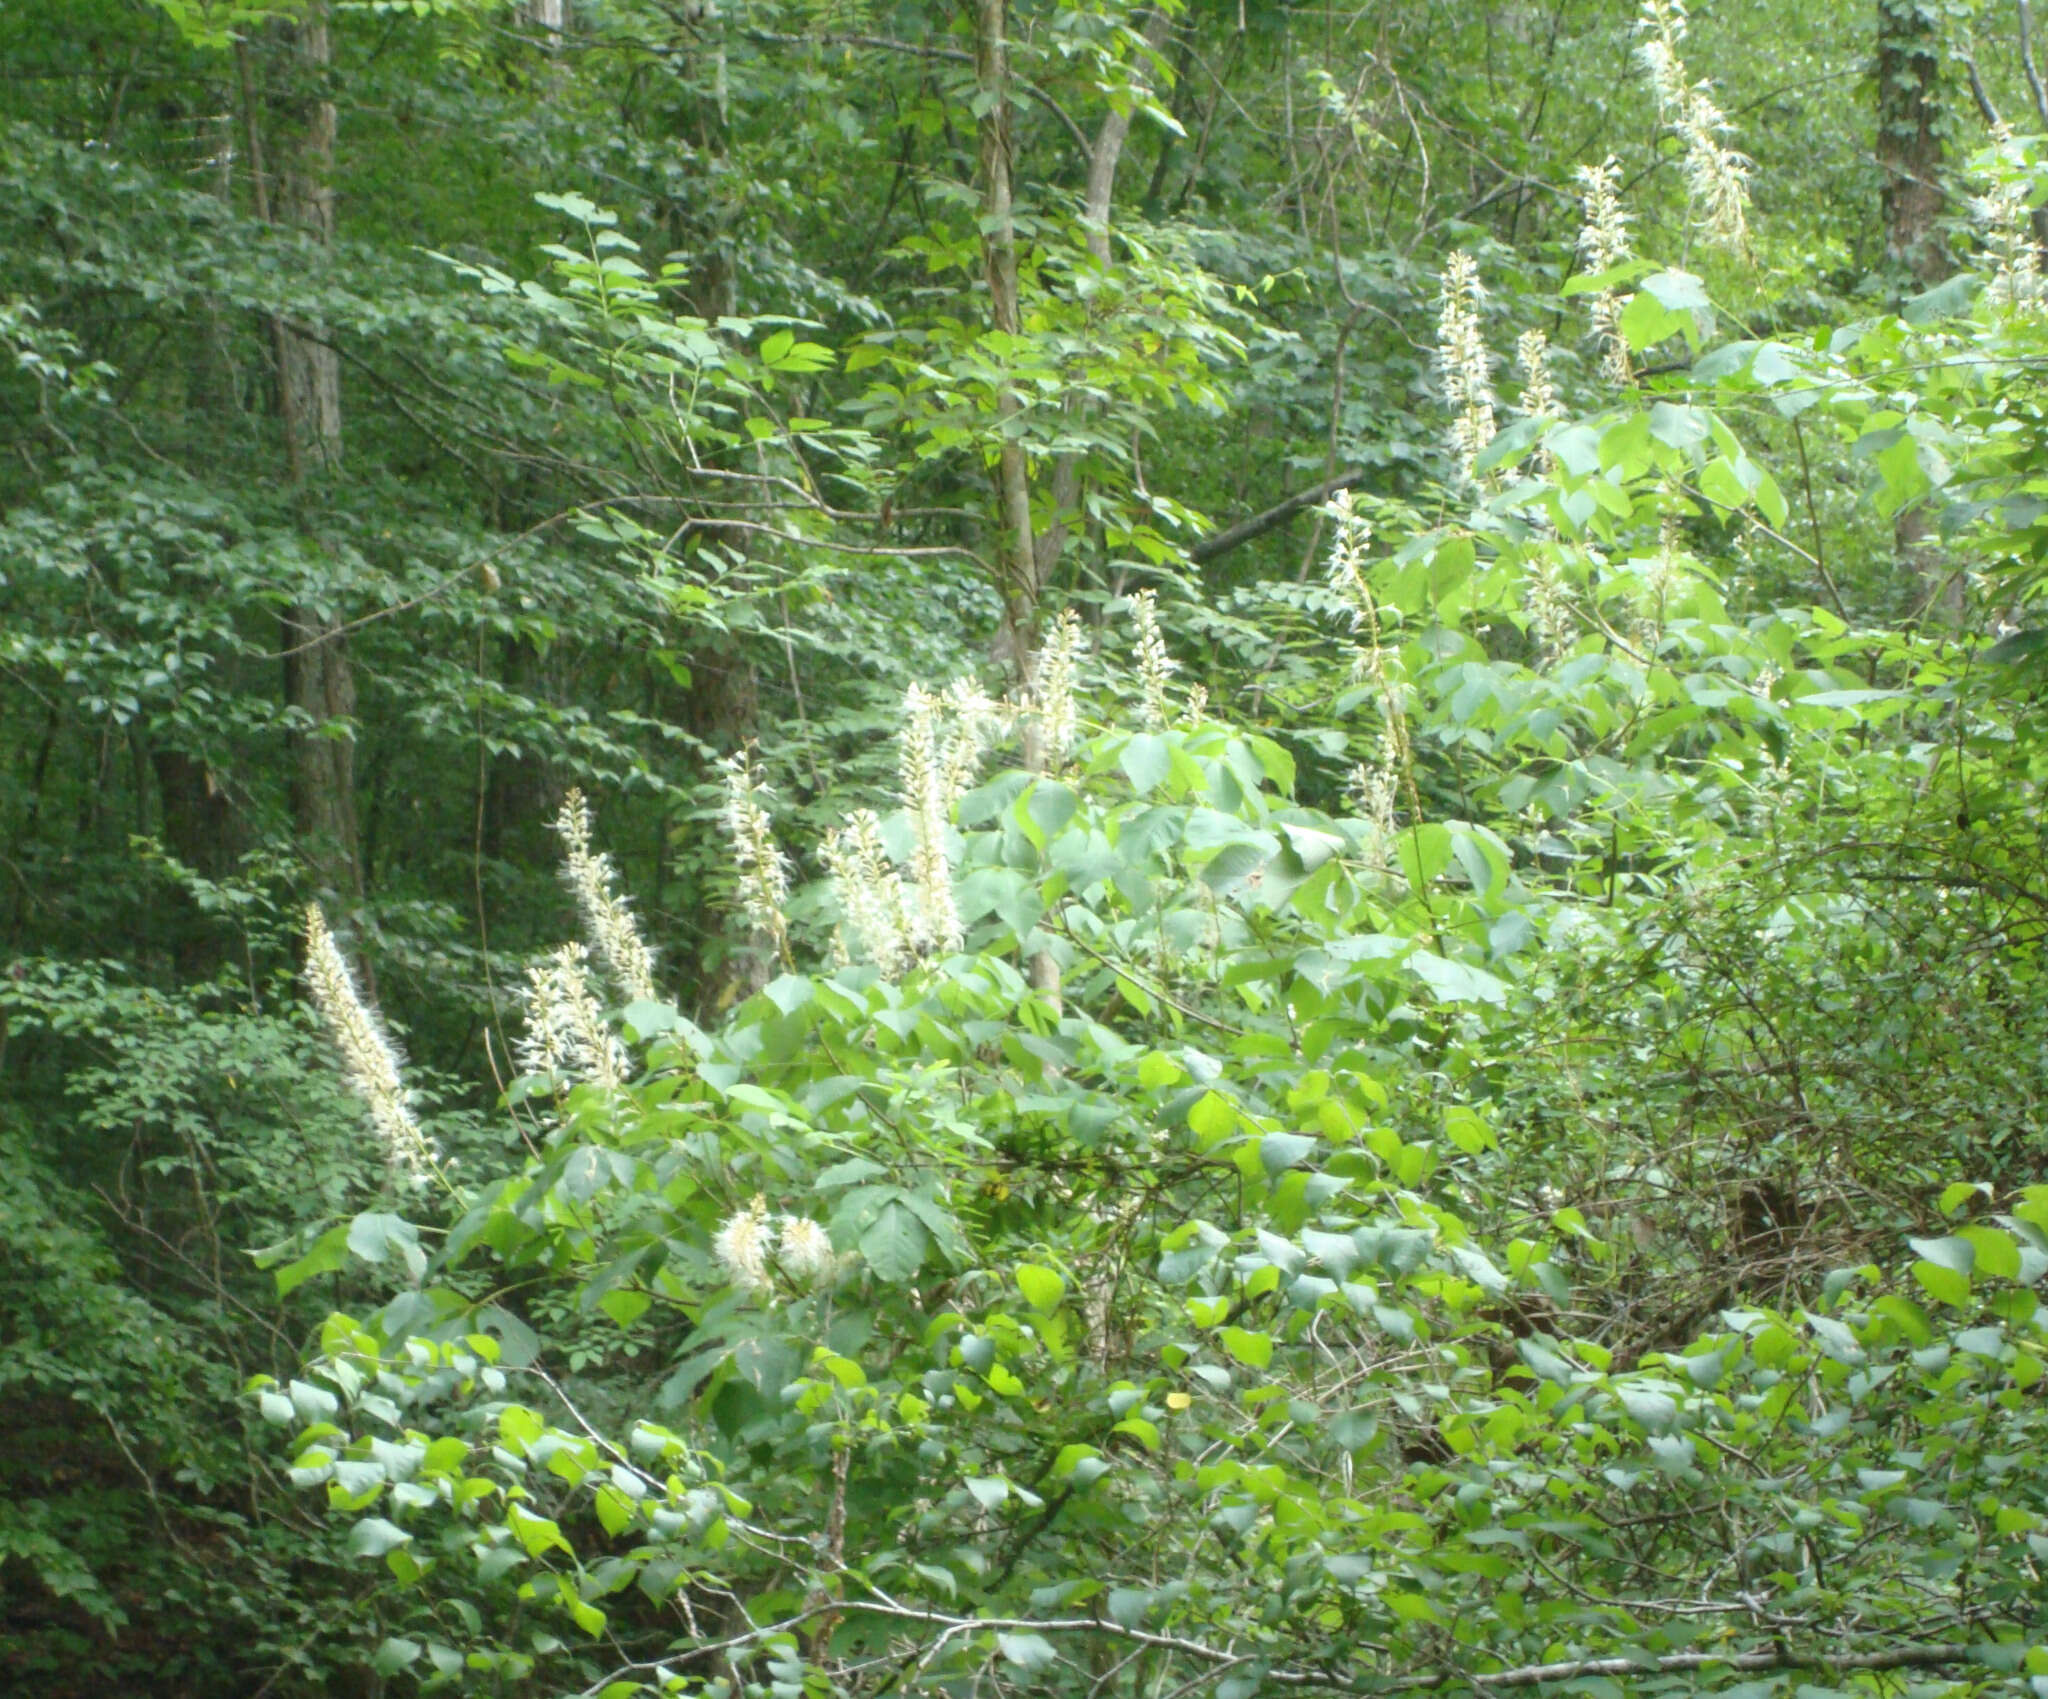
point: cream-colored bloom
(763, 871)
(1052, 690)
(923, 772)
(1375, 789)
(1463, 363)
(973, 717)
(1550, 611)
(1716, 176)
(1603, 237)
(367, 1056)
(1155, 665)
(805, 1248)
(1604, 244)
(1539, 388)
(870, 893)
(607, 919)
(566, 1035)
(1350, 540)
(741, 1247)
(1661, 579)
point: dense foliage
(1209, 838)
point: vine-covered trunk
(1909, 153)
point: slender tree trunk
(1096, 206)
(200, 826)
(1909, 153)
(318, 679)
(1017, 558)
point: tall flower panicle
(367, 1056)
(2002, 213)
(566, 1034)
(1350, 538)
(1539, 388)
(870, 894)
(804, 1248)
(1375, 787)
(1052, 690)
(1604, 244)
(1379, 785)
(1603, 237)
(607, 917)
(763, 870)
(1664, 576)
(741, 1247)
(1463, 363)
(1716, 176)
(1551, 618)
(974, 716)
(1155, 665)
(922, 768)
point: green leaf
(1212, 1117)
(536, 1533)
(1254, 1350)
(394, 1655)
(373, 1537)
(1278, 1151)
(1942, 1283)
(1457, 982)
(894, 1244)
(1146, 759)
(1954, 1252)
(1042, 1288)
(1026, 1651)
(328, 1253)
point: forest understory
(1128, 849)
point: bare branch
(1246, 530)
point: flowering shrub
(1155, 1233)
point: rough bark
(318, 678)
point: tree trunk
(1103, 160)
(318, 679)
(1909, 137)
(1017, 558)
(1909, 153)
(200, 826)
